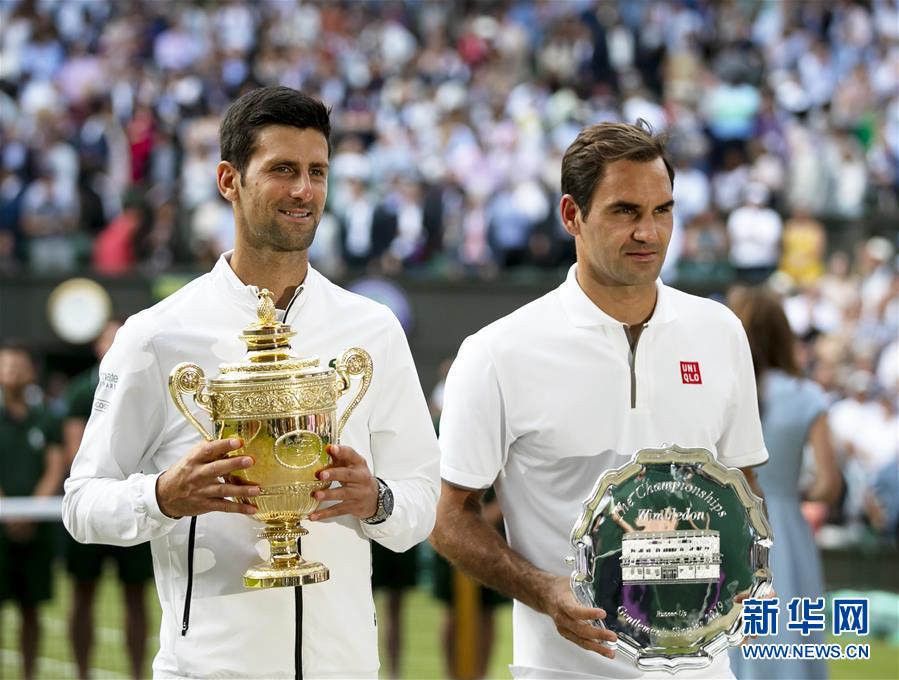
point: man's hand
(358, 490)
(194, 485)
(573, 619)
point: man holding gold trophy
(546, 400)
(240, 502)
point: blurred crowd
(450, 122)
(848, 323)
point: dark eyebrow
(618, 205)
(626, 205)
(292, 164)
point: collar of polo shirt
(584, 313)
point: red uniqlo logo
(689, 373)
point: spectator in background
(356, 213)
(880, 448)
(118, 247)
(211, 229)
(849, 176)
(794, 413)
(730, 108)
(513, 215)
(804, 247)
(839, 285)
(754, 231)
(704, 258)
(12, 189)
(809, 312)
(729, 183)
(801, 98)
(405, 201)
(852, 418)
(32, 466)
(882, 501)
(473, 251)
(692, 192)
(877, 271)
(48, 219)
(84, 561)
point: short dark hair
(585, 161)
(268, 106)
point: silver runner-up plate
(669, 545)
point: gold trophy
(284, 408)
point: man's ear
(570, 214)
(227, 179)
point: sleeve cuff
(377, 531)
(747, 460)
(464, 479)
(147, 502)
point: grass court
(422, 658)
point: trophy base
(264, 575)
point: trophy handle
(188, 378)
(354, 361)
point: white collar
(247, 295)
(583, 312)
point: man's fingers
(225, 466)
(336, 494)
(345, 455)
(231, 491)
(576, 611)
(210, 451)
(328, 513)
(586, 630)
(591, 645)
(231, 506)
(344, 475)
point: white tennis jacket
(135, 432)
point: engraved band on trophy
(284, 408)
(670, 544)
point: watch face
(387, 501)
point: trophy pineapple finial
(265, 311)
(267, 339)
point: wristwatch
(385, 504)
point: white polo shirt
(135, 432)
(544, 400)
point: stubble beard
(624, 275)
(644, 277)
(637, 274)
(280, 239)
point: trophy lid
(268, 348)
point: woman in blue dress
(794, 413)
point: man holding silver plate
(154, 466)
(561, 393)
